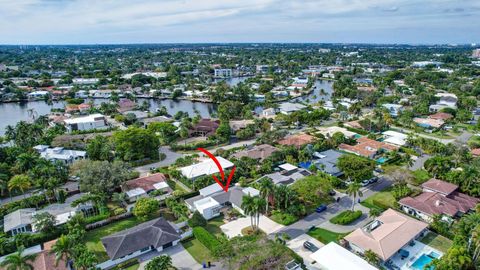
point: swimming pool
(382, 160)
(422, 261)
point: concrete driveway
(181, 259)
(234, 228)
(296, 245)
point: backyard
(381, 200)
(437, 241)
(326, 236)
(198, 251)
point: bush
(206, 238)
(283, 218)
(126, 264)
(346, 217)
(197, 220)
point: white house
(393, 109)
(85, 81)
(288, 107)
(38, 94)
(333, 257)
(395, 138)
(59, 153)
(206, 167)
(223, 72)
(90, 122)
(446, 100)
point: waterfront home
(367, 147)
(213, 199)
(441, 116)
(258, 152)
(85, 123)
(439, 198)
(297, 140)
(334, 257)
(446, 100)
(140, 187)
(125, 104)
(287, 175)
(66, 156)
(153, 235)
(206, 167)
(386, 235)
(288, 107)
(393, 109)
(38, 95)
(205, 127)
(81, 94)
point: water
(11, 113)
(422, 261)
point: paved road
(463, 138)
(170, 158)
(407, 131)
(345, 203)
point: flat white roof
(135, 192)
(333, 257)
(395, 137)
(88, 118)
(208, 190)
(206, 167)
(205, 203)
(251, 191)
(160, 185)
(288, 167)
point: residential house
(326, 162)
(288, 107)
(86, 123)
(268, 113)
(395, 138)
(222, 72)
(153, 235)
(333, 257)
(429, 123)
(438, 198)
(81, 94)
(237, 125)
(329, 131)
(367, 147)
(206, 167)
(140, 187)
(446, 100)
(297, 140)
(213, 199)
(45, 259)
(441, 116)
(66, 156)
(205, 127)
(287, 175)
(19, 221)
(353, 124)
(258, 152)
(386, 234)
(125, 105)
(139, 115)
(393, 109)
(38, 95)
(85, 81)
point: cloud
(135, 21)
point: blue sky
(191, 21)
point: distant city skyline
(263, 21)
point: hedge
(206, 238)
(346, 217)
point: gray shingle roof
(156, 233)
(21, 217)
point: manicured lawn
(381, 200)
(133, 267)
(92, 238)
(213, 225)
(437, 241)
(420, 176)
(326, 236)
(198, 251)
(346, 217)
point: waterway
(11, 113)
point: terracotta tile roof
(353, 124)
(367, 147)
(146, 183)
(441, 116)
(46, 261)
(387, 234)
(258, 152)
(440, 186)
(207, 126)
(297, 140)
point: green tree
(44, 222)
(354, 190)
(100, 148)
(145, 208)
(20, 182)
(135, 144)
(163, 262)
(197, 220)
(63, 249)
(356, 168)
(372, 258)
(166, 132)
(224, 131)
(266, 188)
(100, 176)
(19, 261)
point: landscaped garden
(326, 236)
(437, 241)
(283, 218)
(346, 217)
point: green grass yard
(198, 251)
(213, 225)
(437, 241)
(381, 200)
(326, 236)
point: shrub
(283, 218)
(126, 264)
(346, 217)
(197, 220)
(206, 238)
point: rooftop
(333, 257)
(297, 140)
(259, 152)
(206, 167)
(147, 183)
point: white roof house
(206, 167)
(333, 257)
(59, 153)
(329, 131)
(288, 167)
(136, 192)
(89, 122)
(288, 107)
(394, 137)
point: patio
(234, 228)
(414, 253)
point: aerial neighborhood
(321, 156)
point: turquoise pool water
(422, 261)
(382, 160)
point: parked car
(321, 208)
(378, 170)
(373, 180)
(365, 183)
(332, 192)
(309, 246)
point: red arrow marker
(222, 174)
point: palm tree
(474, 243)
(248, 208)
(18, 261)
(63, 249)
(20, 182)
(163, 262)
(354, 190)
(266, 188)
(120, 198)
(258, 208)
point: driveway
(234, 228)
(181, 259)
(170, 158)
(296, 245)
(418, 164)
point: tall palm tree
(266, 188)
(474, 243)
(63, 249)
(258, 208)
(248, 206)
(18, 261)
(354, 190)
(289, 196)
(20, 182)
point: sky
(227, 21)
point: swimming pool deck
(415, 252)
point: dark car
(373, 180)
(378, 170)
(310, 246)
(332, 192)
(321, 208)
